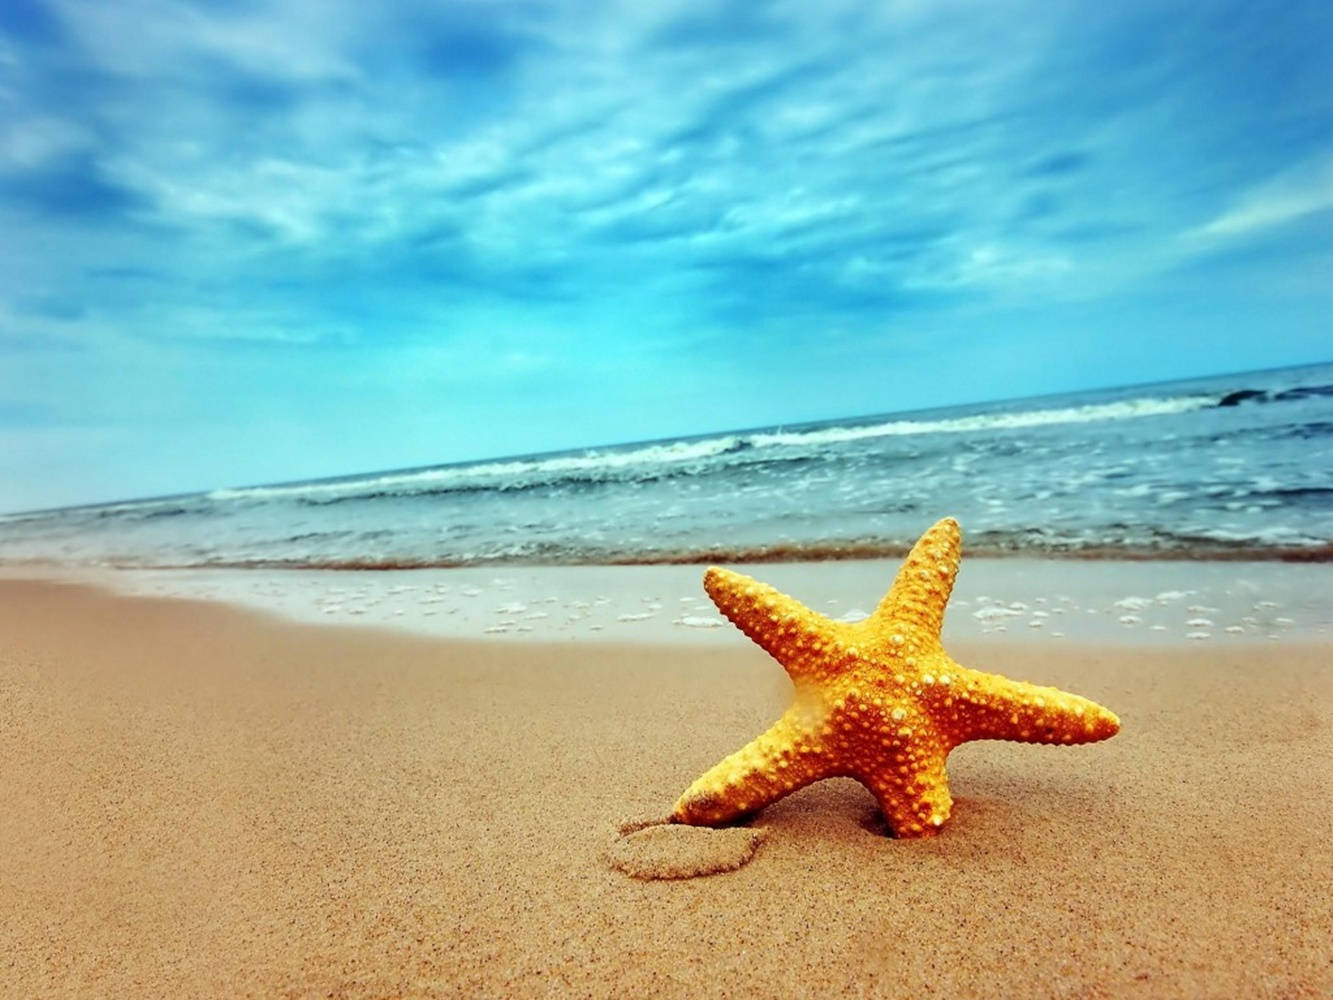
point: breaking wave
(692, 456)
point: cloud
(1292, 195)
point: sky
(252, 241)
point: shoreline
(205, 800)
(1112, 602)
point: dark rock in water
(1304, 392)
(1240, 396)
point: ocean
(1227, 467)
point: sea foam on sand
(1103, 601)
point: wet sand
(201, 800)
(1116, 601)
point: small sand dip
(657, 849)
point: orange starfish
(878, 700)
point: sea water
(1236, 466)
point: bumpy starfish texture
(878, 700)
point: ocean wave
(685, 457)
(119, 511)
(510, 473)
(1121, 410)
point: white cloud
(33, 141)
(1291, 195)
(143, 38)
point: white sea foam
(1171, 595)
(1132, 603)
(993, 612)
(1124, 409)
(699, 621)
(853, 615)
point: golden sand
(205, 802)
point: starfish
(877, 700)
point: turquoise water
(1236, 466)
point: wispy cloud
(1302, 191)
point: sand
(200, 800)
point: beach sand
(206, 801)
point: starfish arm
(981, 706)
(922, 587)
(914, 797)
(784, 628)
(774, 764)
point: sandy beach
(205, 800)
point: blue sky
(253, 241)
